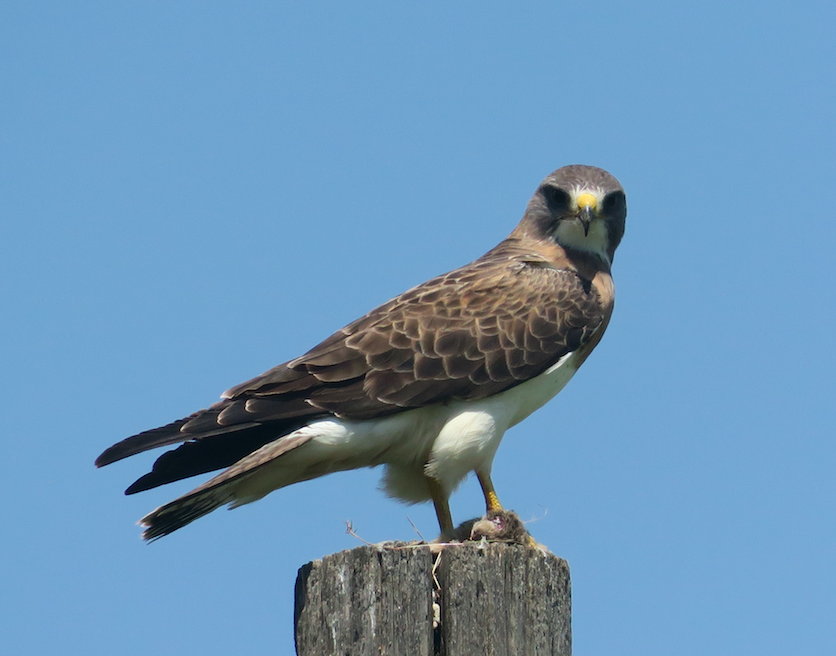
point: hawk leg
(442, 509)
(491, 500)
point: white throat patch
(570, 234)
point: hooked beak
(586, 216)
(586, 211)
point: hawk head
(582, 208)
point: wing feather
(467, 334)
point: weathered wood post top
(467, 599)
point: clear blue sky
(193, 192)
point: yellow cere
(587, 200)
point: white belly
(446, 441)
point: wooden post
(365, 602)
(403, 600)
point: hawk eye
(557, 199)
(615, 204)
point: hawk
(425, 385)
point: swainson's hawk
(426, 384)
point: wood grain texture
(365, 602)
(494, 599)
(504, 600)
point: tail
(218, 491)
(176, 514)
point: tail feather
(220, 490)
(176, 514)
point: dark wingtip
(150, 439)
(108, 456)
(139, 486)
(205, 454)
